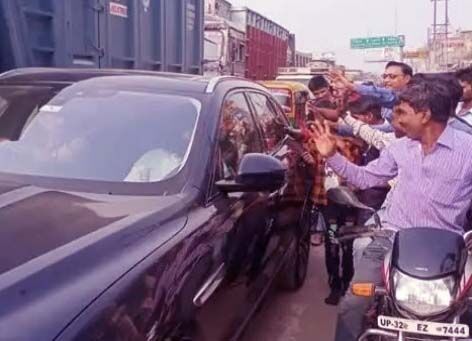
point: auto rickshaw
(293, 97)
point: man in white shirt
(464, 110)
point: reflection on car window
(154, 165)
(106, 135)
(272, 125)
(18, 105)
(238, 135)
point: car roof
(63, 77)
(66, 74)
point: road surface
(299, 316)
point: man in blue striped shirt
(434, 189)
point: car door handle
(210, 286)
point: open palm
(339, 81)
(324, 140)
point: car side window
(237, 136)
(271, 122)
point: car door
(272, 122)
(289, 237)
(230, 292)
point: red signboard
(118, 10)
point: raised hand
(324, 140)
(338, 81)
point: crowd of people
(408, 141)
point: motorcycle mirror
(344, 196)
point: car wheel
(293, 274)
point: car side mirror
(256, 173)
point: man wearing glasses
(396, 77)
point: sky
(328, 25)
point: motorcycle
(427, 277)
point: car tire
(293, 273)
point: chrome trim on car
(10, 73)
(379, 332)
(214, 82)
(210, 286)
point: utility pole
(446, 37)
(396, 17)
(440, 32)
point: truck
(304, 74)
(165, 35)
(225, 47)
(242, 42)
(267, 43)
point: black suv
(144, 206)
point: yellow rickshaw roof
(294, 86)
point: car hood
(52, 240)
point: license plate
(423, 327)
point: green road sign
(377, 42)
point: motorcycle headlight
(423, 297)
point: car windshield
(105, 135)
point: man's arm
(385, 97)
(329, 114)
(345, 130)
(376, 173)
(374, 137)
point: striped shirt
(433, 190)
(374, 137)
(462, 120)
